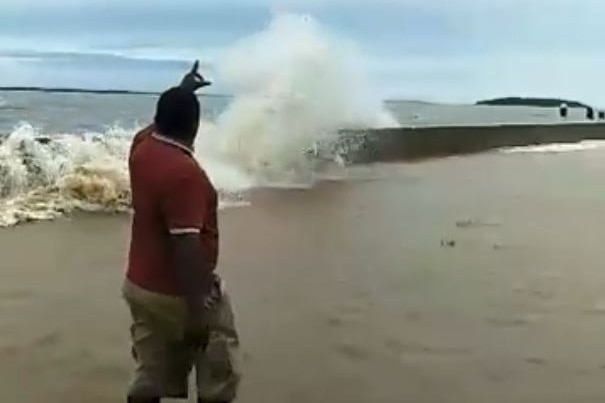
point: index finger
(196, 65)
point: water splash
(295, 86)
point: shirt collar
(169, 141)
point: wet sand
(475, 279)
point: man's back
(170, 193)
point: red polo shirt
(171, 194)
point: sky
(436, 50)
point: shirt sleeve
(184, 204)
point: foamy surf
(44, 177)
(295, 86)
(556, 148)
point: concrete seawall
(396, 144)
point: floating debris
(471, 223)
(448, 243)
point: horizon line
(75, 90)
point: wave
(294, 88)
(43, 177)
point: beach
(411, 198)
(466, 279)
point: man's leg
(163, 369)
(163, 363)
(217, 373)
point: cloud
(439, 49)
(504, 24)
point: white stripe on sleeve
(182, 231)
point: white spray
(294, 85)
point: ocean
(254, 140)
(78, 113)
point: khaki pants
(164, 362)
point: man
(563, 110)
(181, 316)
(589, 113)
